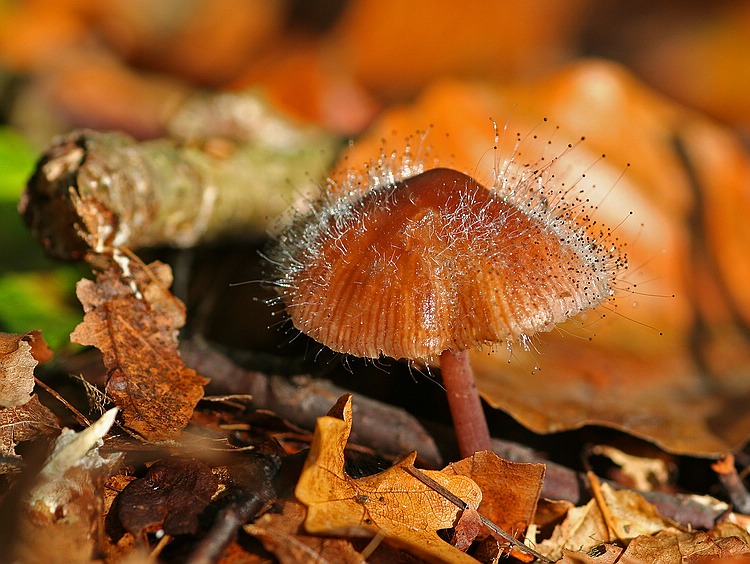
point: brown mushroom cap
(437, 262)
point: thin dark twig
(80, 417)
(461, 504)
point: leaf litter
(684, 161)
(398, 514)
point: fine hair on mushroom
(407, 259)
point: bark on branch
(95, 191)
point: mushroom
(430, 264)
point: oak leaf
(510, 490)
(392, 503)
(137, 335)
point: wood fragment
(94, 191)
(733, 484)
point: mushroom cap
(436, 262)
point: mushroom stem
(469, 422)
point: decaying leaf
(392, 503)
(283, 535)
(61, 512)
(586, 527)
(170, 497)
(17, 362)
(639, 473)
(138, 338)
(24, 423)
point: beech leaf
(392, 503)
(138, 338)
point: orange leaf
(510, 490)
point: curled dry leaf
(19, 355)
(138, 338)
(170, 497)
(687, 237)
(392, 503)
(283, 535)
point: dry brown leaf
(468, 528)
(17, 364)
(283, 535)
(23, 423)
(642, 473)
(688, 237)
(510, 490)
(585, 527)
(392, 503)
(39, 348)
(138, 338)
